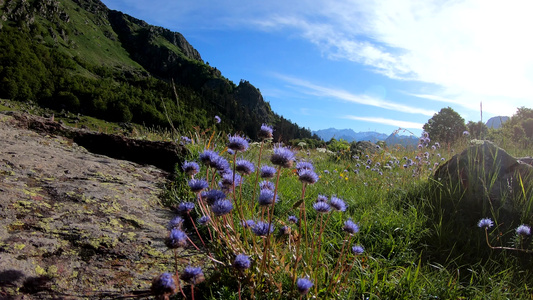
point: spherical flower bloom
(217, 119)
(466, 133)
(220, 164)
(247, 223)
(307, 176)
(337, 204)
(350, 227)
(213, 195)
(163, 284)
(358, 250)
(192, 275)
(293, 219)
(190, 168)
(176, 239)
(523, 230)
(244, 167)
(437, 144)
(237, 143)
(208, 156)
(326, 171)
(321, 207)
(303, 285)
(227, 180)
(185, 140)
(282, 157)
(221, 207)
(185, 207)
(266, 185)
(241, 262)
(230, 152)
(176, 222)
(197, 185)
(305, 165)
(321, 198)
(261, 228)
(485, 223)
(268, 172)
(203, 220)
(265, 132)
(266, 197)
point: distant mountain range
(496, 122)
(350, 136)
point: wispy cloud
(340, 94)
(397, 123)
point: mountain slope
(349, 135)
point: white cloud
(339, 94)
(397, 123)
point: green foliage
(478, 130)
(446, 126)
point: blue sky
(367, 65)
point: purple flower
(268, 172)
(227, 180)
(176, 222)
(221, 207)
(321, 207)
(282, 157)
(244, 167)
(266, 185)
(523, 230)
(185, 207)
(305, 165)
(185, 140)
(163, 284)
(247, 223)
(192, 275)
(307, 176)
(203, 220)
(241, 262)
(485, 223)
(321, 198)
(266, 197)
(265, 132)
(293, 219)
(261, 228)
(337, 204)
(176, 239)
(358, 250)
(212, 195)
(350, 227)
(466, 133)
(217, 119)
(220, 164)
(208, 156)
(190, 168)
(197, 185)
(303, 285)
(237, 143)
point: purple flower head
(163, 284)
(261, 228)
(213, 195)
(247, 223)
(185, 140)
(227, 180)
(466, 133)
(293, 219)
(176, 222)
(303, 285)
(237, 143)
(485, 223)
(304, 165)
(244, 167)
(357, 249)
(203, 220)
(337, 204)
(350, 227)
(241, 262)
(307, 176)
(197, 185)
(185, 207)
(220, 164)
(268, 172)
(266, 185)
(266, 197)
(321, 198)
(192, 275)
(221, 207)
(265, 132)
(208, 156)
(230, 152)
(282, 156)
(321, 207)
(176, 239)
(523, 230)
(217, 119)
(190, 168)
(326, 171)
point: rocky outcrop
(74, 224)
